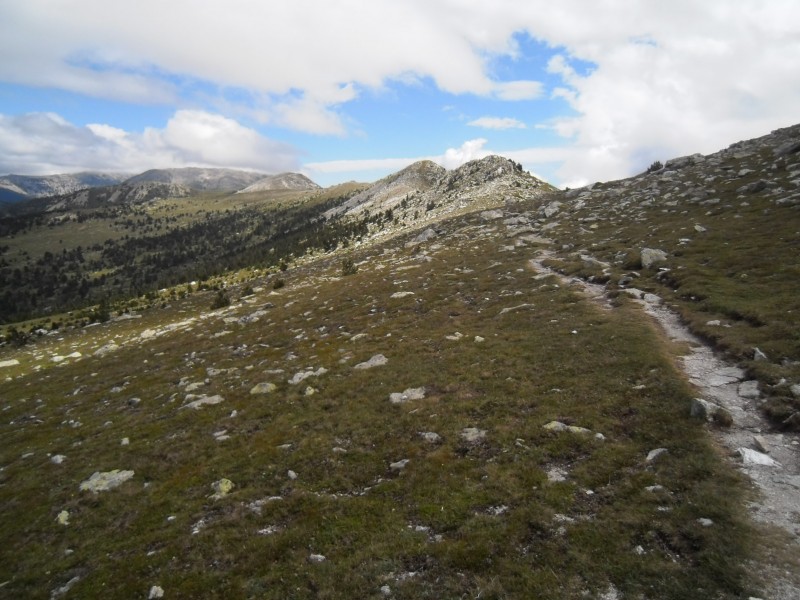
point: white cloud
(518, 90)
(44, 143)
(665, 78)
(497, 123)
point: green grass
(740, 273)
(462, 519)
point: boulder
(652, 256)
(263, 388)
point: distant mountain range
(200, 179)
(56, 192)
(14, 188)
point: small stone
(63, 518)
(291, 474)
(263, 388)
(479, 339)
(124, 441)
(705, 522)
(316, 558)
(758, 355)
(155, 592)
(57, 459)
(654, 454)
(714, 323)
(431, 437)
(386, 590)
(399, 465)
(310, 391)
(401, 294)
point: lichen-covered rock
(222, 488)
(103, 482)
(263, 388)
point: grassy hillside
(339, 492)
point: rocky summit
(446, 384)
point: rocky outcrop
(283, 181)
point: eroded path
(771, 459)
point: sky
(577, 91)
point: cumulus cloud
(636, 81)
(497, 123)
(43, 143)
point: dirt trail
(719, 382)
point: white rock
(291, 474)
(316, 558)
(705, 522)
(124, 441)
(753, 457)
(57, 459)
(405, 396)
(473, 434)
(654, 454)
(63, 518)
(155, 592)
(430, 437)
(399, 465)
(202, 401)
(9, 363)
(479, 339)
(401, 294)
(652, 256)
(376, 361)
(302, 375)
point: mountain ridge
(36, 186)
